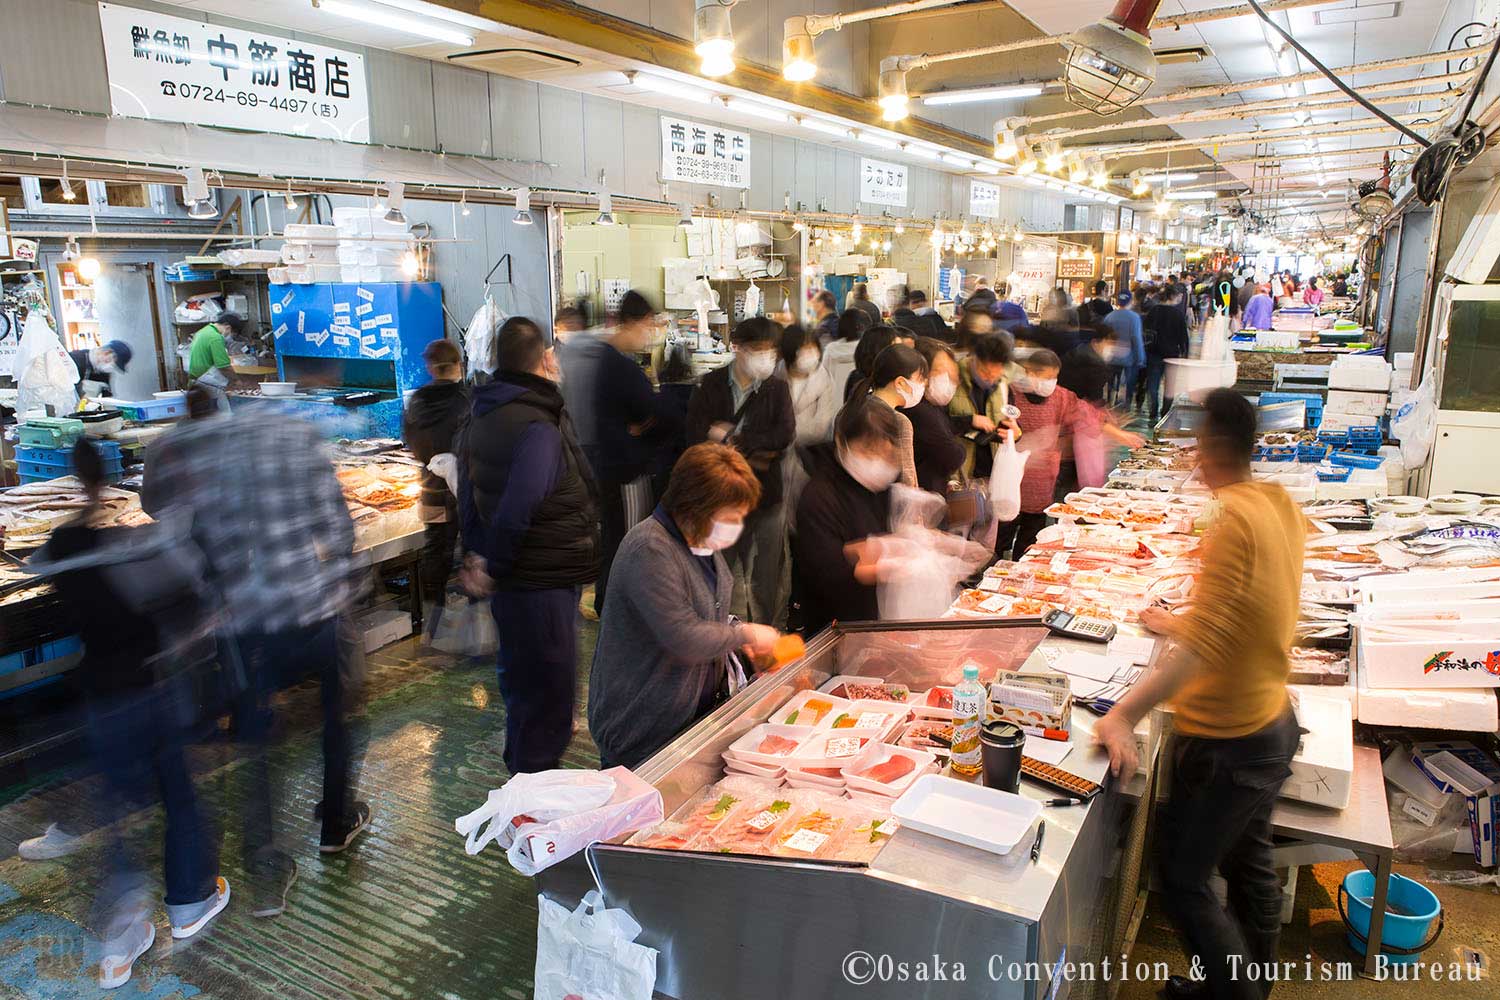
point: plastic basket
(1353, 460)
(1310, 452)
(50, 432)
(1334, 474)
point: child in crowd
(1047, 411)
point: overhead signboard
(175, 69)
(984, 200)
(882, 183)
(704, 154)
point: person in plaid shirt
(270, 517)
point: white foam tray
(965, 813)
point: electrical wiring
(1459, 146)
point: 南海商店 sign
(176, 69)
(882, 183)
(704, 154)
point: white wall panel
(826, 173)
(562, 137)
(846, 182)
(641, 153)
(461, 107)
(515, 118)
(603, 139)
(806, 190)
(52, 53)
(783, 168)
(400, 100)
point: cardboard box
(1037, 702)
(1355, 403)
(1323, 765)
(1462, 768)
(382, 627)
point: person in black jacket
(747, 405)
(1098, 307)
(847, 500)
(938, 451)
(1166, 337)
(428, 426)
(529, 513)
(826, 317)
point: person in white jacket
(816, 399)
(838, 355)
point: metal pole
(1234, 138)
(817, 24)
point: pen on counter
(1036, 845)
(1063, 802)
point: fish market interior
(743, 498)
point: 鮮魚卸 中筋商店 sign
(696, 153)
(176, 69)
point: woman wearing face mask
(898, 378)
(847, 500)
(660, 664)
(938, 452)
(815, 401)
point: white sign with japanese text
(704, 154)
(176, 69)
(882, 183)
(984, 200)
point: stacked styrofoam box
(1358, 392)
(1401, 371)
(369, 248)
(310, 253)
(1324, 762)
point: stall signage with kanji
(704, 154)
(175, 69)
(882, 183)
(984, 200)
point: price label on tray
(871, 720)
(995, 605)
(989, 584)
(844, 746)
(762, 821)
(1059, 562)
(806, 840)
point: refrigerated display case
(1465, 361)
(738, 925)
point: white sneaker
(55, 843)
(114, 970)
(217, 903)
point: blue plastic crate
(1311, 452)
(1333, 474)
(1351, 460)
(1312, 401)
(145, 410)
(1279, 453)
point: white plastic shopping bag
(45, 373)
(1005, 479)
(635, 805)
(527, 798)
(920, 569)
(1415, 424)
(1216, 338)
(590, 953)
(465, 627)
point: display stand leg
(1382, 870)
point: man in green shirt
(208, 356)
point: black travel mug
(1000, 746)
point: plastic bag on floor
(465, 627)
(590, 953)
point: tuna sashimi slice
(776, 745)
(894, 769)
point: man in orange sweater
(1234, 730)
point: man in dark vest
(530, 525)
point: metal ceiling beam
(1298, 133)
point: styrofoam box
(1424, 579)
(1434, 660)
(1357, 403)
(1362, 484)
(1359, 371)
(1339, 420)
(1324, 761)
(1472, 710)
(311, 232)
(383, 627)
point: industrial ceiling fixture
(606, 215)
(523, 207)
(291, 199)
(713, 37)
(1052, 156)
(669, 88)
(88, 268)
(1110, 64)
(685, 216)
(799, 60)
(1025, 159)
(1139, 185)
(979, 95)
(1008, 134)
(395, 200)
(463, 204)
(200, 200)
(1098, 174)
(1077, 171)
(68, 193)
(71, 251)
(891, 92)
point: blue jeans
(139, 749)
(536, 668)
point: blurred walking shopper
(666, 634)
(274, 528)
(1098, 307)
(815, 404)
(529, 525)
(139, 718)
(898, 379)
(978, 408)
(938, 453)
(428, 426)
(874, 340)
(1166, 338)
(1235, 731)
(859, 298)
(1130, 356)
(744, 404)
(825, 318)
(620, 420)
(838, 356)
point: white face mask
(1043, 386)
(721, 535)
(807, 361)
(940, 389)
(107, 367)
(758, 365)
(874, 474)
(912, 394)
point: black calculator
(1071, 626)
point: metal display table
(747, 926)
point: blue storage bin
(1312, 401)
(1311, 452)
(1351, 460)
(1334, 473)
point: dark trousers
(1218, 817)
(271, 661)
(1019, 534)
(536, 668)
(612, 528)
(139, 750)
(1156, 368)
(438, 543)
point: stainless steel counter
(741, 927)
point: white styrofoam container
(967, 813)
(1354, 402)
(1324, 762)
(1360, 371)
(1424, 579)
(1435, 595)
(1337, 420)
(923, 763)
(311, 232)
(1434, 660)
(383, 627)
(1455, 709)
(744, 748)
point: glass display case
(1465, 360)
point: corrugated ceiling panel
(400, 100)
(461, 110)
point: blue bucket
(1411, 910)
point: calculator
(1071, 626)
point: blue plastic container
(1411, 910)
(1353, 461)
(1334, 474)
